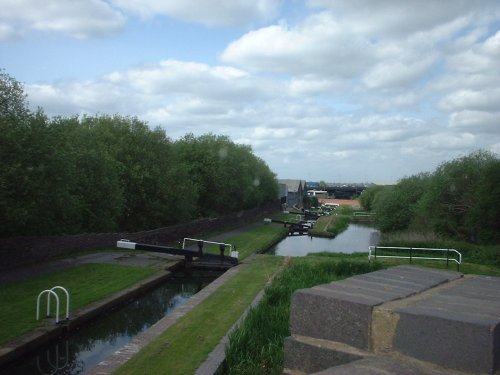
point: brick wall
(17, 251)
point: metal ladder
(50, 292)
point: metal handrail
(50, 292)
(363, 213)
(232, 253)
(412, 255)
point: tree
(105, 173)
(13, 102)
(456, 193)
(226, 176)
(368, 196)
(155, 187)
(396, 206)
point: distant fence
(16, 251)
(363, 214)
(415, 253)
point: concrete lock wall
(18, 251)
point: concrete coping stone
(440, 318)
(349, 295)
(342, 310)
(385, 366)
(475, 299)
(373, 287)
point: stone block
(310, 356)
(457, 327)
(333, 316)
(342, 311)
(383, 366)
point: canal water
(356, 238)
(81, 350)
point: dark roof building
(294, 192)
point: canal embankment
(91, 311)
(50, 330)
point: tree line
(106, 173)
(459, 200)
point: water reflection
(87, 346)
(356, 238)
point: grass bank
(252, 241)
(256, 347)
(330, 225)
(182, 348)
(258, 239)
(86, 284)
(466, 267)
(479, 254)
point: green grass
(330, 225)
(465, 267)
(289, 217)
(322, 225)
(471, 252)
(254, 240)
(256, 347)
(258, 239)
(184, 346)
(86, 284)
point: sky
(332, 90)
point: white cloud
(319, 46)
(479, 122)
(206, 12)
(491, 46)
(267, 133)
(333, 94)
(397, 73)
(76, 18)
(451, 141)
(307, 87)
(401, 18)
(478, 100)
(183, 96)
(171, 76)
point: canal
(356, 238)
(79, 351)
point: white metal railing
(50, 292)
(232, 253)
(364, 214)
(450, 255)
